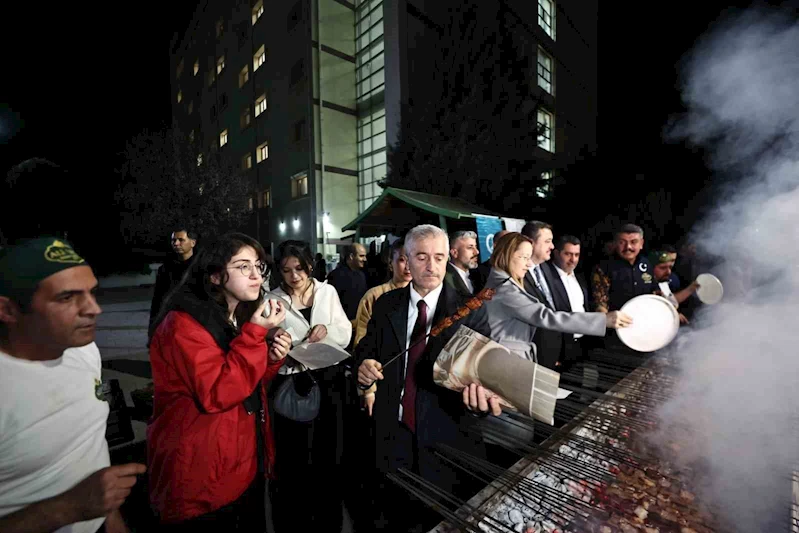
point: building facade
(306, 95)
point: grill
(597, 473)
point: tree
(165, 183)
(474, 133)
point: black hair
(213, 260)
(533, 228)
(190, 233)
(302, 251)
(563, 240)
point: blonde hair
(504, 249)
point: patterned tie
(542, 285)
(414, 354)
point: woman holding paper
(309, 453)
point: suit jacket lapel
(447, 306)
(558, 289)
(532, 288)
(457, 280)
(398, 318)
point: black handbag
(298, 405)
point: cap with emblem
(25, 264)
(657, 257)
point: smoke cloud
(737, 394)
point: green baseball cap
(25, 264)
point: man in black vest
(411, 413)
(621, 278)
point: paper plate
(655, 323)
(710, 289)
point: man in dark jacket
(170, 273)
(349, 279)
(411, 413)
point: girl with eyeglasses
(209, 442)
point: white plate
(655, 323)
(710, 289)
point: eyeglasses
(246, 269)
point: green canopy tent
(398, 210)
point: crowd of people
(243, 437)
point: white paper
(318, 355)
(563, 393)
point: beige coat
(364, 313)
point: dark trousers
(246, 514)
(394, 510)
(307, 493)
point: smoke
(736, 398)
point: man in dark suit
(412, 414)
(569, 292)
(462, 272)
(539, 285)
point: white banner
(514, 224)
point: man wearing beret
(54, 461)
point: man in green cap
(662, 261)
(54, 461)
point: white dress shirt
(413, 311)
(464, 274)
(574, 292)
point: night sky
(79, 81)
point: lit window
(199, 161)
(220, 65)
(246, 162)
(244, 76)
(250, 203)
(260, 105)
(545, 140)
(180, 96)
(245, 118)
(179, 69)
(262, 153)
(191, 108)
(545, 71)
(299, 186)
(257, 11)
(191, 136)
(546, 17)
(544, 190)
(267, 198)
(196, 67)
(259, 58)
(223, 138)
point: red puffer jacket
(201, 442)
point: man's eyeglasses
(246, 269)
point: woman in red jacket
(209, 442)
